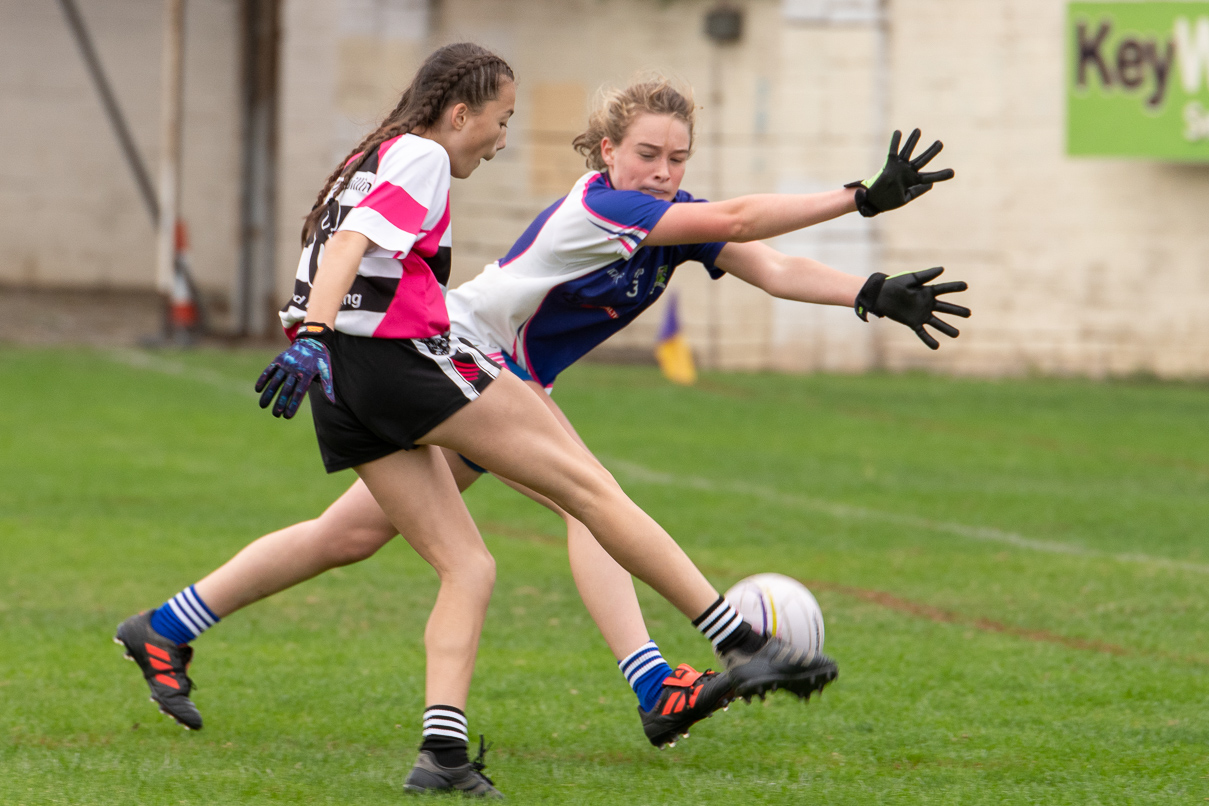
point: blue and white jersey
(575, 277)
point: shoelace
(480, 761)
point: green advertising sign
(1138, 80)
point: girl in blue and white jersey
(585, 268)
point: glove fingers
(948, 288)
(909, 146)
(283, 399)
(926, 157)
(894, 141)
(937, 176)
(926, 337)
(944, 327)
(295, 401)
(325, 377)
(264, 376)
(948, 307)
(271, 386)
(928, 275)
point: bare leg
(506, 431)
(354, 527)
(418, 493)
(351, 530)
(607, 591)
(606, 588)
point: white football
(775, 604)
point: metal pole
(723, 26)
(714, 294)
(171, 91)
(258, 164)
(109, 102)
(881, 124)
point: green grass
(1014, 575)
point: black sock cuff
(445, 708)
(443, 743)
(447, 752)
(743, 638)
(699, 620)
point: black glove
(906, 299)
(293, 370)
(899, 181)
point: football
(775, 604)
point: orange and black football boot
(165, 666)
(688, 696)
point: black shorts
(391, 392)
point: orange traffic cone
(183, 314)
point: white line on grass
(139, 359)
(984, 534)
(149, 361)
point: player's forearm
(761, 216)
(337, 268)
(806, 280)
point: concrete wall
(73, 217)
(1076, 265)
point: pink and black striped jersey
(399, 199)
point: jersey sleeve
(409, 196)
(706, 254)
(703, 253)
(623, 217)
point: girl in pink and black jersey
(395, 388)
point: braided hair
(459, 73)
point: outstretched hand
(900, 179)
(290, 374)
(907, 299)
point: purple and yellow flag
(672, 352)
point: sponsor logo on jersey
(661, 276)
(437, 345)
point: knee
(474, 569)
(351, 544)
(595, 491)
(484, 568)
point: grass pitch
(1014, 576)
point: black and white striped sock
(445, 735)
(726, 629)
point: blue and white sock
(183, 617)
(645, 670)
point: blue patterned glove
(293, 371)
